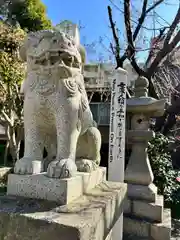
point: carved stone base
(142, 192)
(142, 228)
(144, 213)
(152, 211)
(63, 191)
(92, 216)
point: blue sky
(94, 17)
(92, 14)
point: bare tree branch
(172, 27)
(129, 53)
(116, 39)
(167, 48)
(141, 19)
(154, 6)
(131, 50)
(136, 22)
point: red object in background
(177, 138)
(178, 179)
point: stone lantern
(143, 201)
(142, 109)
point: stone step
(152, 211)
(143, 228)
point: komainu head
(51, 49)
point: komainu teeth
(57, 58)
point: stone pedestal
(144, 214)
(83, 207)
(63, 191)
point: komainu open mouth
(58, 58)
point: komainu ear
(32, 39)
(82, 52)
(24, 47)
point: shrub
(12, 73)
(164, 174)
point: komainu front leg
(32, 160)
(88, 150)
(68, 130)
(51, 149)
(34, 137)
(64, 166)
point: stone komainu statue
(56, 109)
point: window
(101, 113)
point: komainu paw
(86, 165)
(27, 166)
(64, 168)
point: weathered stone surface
(162, 231)
(90, 217)
(143, 228)
(142, 192)
(147, 207)
(136, 227)
(133, 237)
(142, 107)
(90, 180)
(128, 206)
(57, 115)
(175, 233)
(40, 186)
(64, 191)
(146, 105)
(152, 211)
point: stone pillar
(117, 127)
(144, 202)
(117, 137)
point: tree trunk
(12, 144)
(6, 153)
(151, 88)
